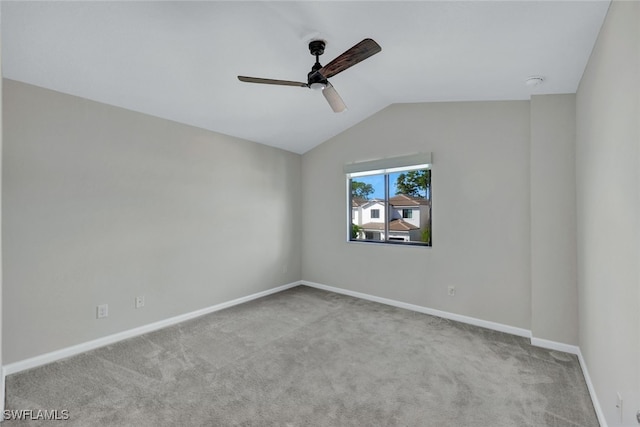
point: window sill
(379, 243)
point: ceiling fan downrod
(315, 80)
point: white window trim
(388, 165)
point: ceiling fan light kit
(334, 100)
(317, 86)
(317, 78)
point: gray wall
(101, 204)
(554, 296)
(608, 207)
(1, 275)
(481, 210)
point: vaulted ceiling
(179, 60)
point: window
(372, 235)
(390, 200)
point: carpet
(306, 357)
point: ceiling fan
(317, 77)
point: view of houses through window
(391, 207)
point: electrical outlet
(451, 290)
(102, 311)
(140, 301)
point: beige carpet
(306, 357)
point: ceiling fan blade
(351, 57)
(271, 81)
(334, 100)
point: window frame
(386, 167)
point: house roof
(373, 226)
(409, 201)
(357, 201)
(394, 225)
(399, 200)
(401, 225)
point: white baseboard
(420, 309)
(53, 356)
(592, 391)
(553, 345)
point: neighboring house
(369, 215)
(409, 218)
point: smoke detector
(534, 81)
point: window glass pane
(410, 206)
(402, 216)
(368, 207)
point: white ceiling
(179, 60)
